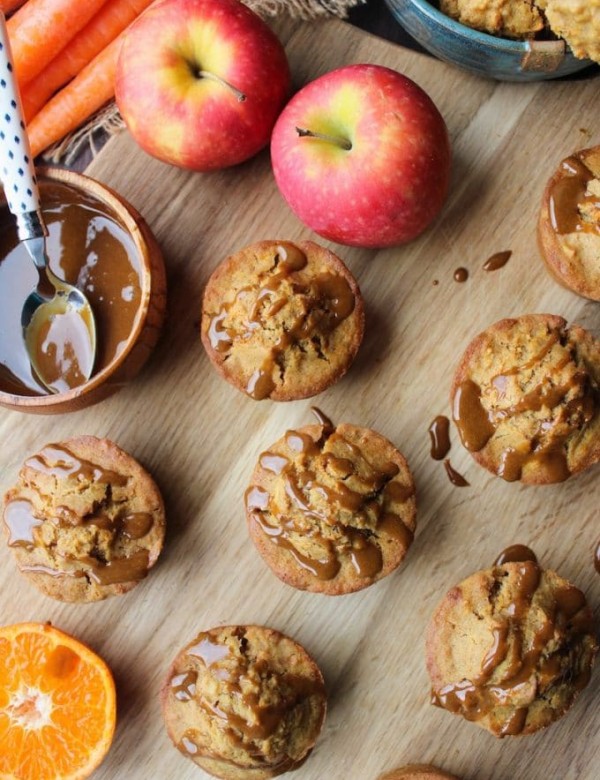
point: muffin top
(569, 223)
(244, 702)
(510, 647)
(510, 18)
(526, 399)
(332, 509)
(85, 520)
(282, 320)
(578, 22)
(418, 772)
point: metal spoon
(57, 320)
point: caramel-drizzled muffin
(418, 772)
(244, 702)
(510, 648)
(569, 223)
(526, 399)
(282, 320)
(85, 520)
(332, 509)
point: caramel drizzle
(476, 425)
(58, 461)
(439, 433)
(360, 546)
(238, 674)
(332, 301)
(477, 698)
(454, 476)
(515, 553)
(568, 195)
(497, 261)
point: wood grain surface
(200, 438)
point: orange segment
(57, 705)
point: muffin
(510, 648)
(578, 22)
(244, 702)
(569, 223)
(85, 521)
(282, 320)
(526, 399)
(418, 772)
(331, 509)
(510, 18)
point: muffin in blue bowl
(503, 58)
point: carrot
(6, 6)
(103, 28)
(82, 96)
(41, 28)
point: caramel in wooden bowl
(100, 243)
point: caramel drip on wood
(497, 261)
(461, 275)
(453, 475)
(439, 433)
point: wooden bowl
(147, 320)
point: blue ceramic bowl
(486, 55)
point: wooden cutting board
(200, 438)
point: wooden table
(200, 438)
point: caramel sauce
(184, 685)
(187, 744)
(332, 301)
(471, 418)
(474, 699)
(130, 569)
(567, 194)
(59, 342)
(58, 461)
(453, 475)
(461, 275)
(516, 553)
(497, 261)
(439, 433)
(323, 420)
(360, 546)
(89, 248)
(21, 523)
(136, 525)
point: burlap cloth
(108, 120)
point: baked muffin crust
(569, 223)
(526, 399)
(282, 320)
(510, 648)
(332, 509)
(85, 520)
(244, 702)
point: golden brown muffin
(569, 223)
(282, 320)
(418, 772)
(244, 702)
(510, 18)
(510, 648)
(332, 509)
(578, 22)
(85, 520)
(526, 399)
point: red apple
(362, 156)
(201, 82)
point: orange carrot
(41, 28)
(6, 6)
(103, 28)
(82, 96)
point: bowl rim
(493, 41)
(129, 218)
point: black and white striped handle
(16, 166)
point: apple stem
(205, 74)
(343, 143)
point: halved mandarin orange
(57, 705)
